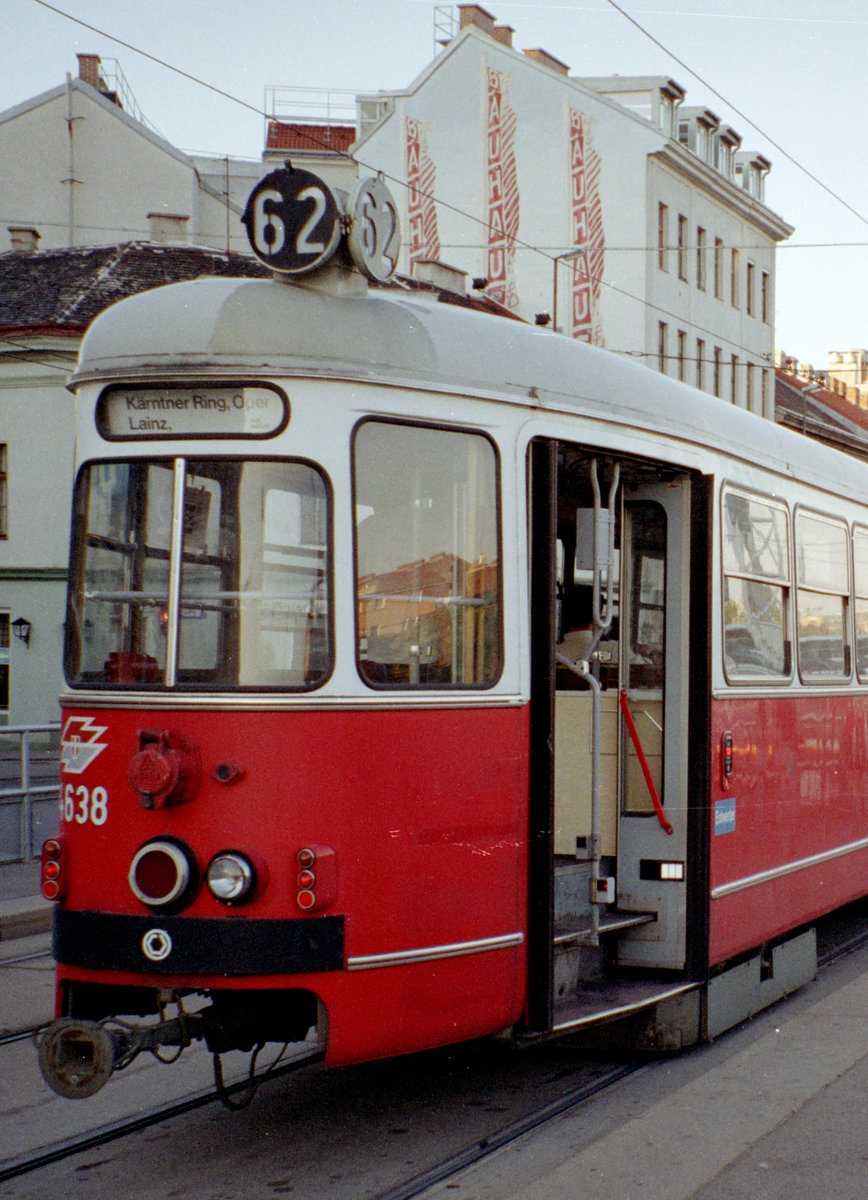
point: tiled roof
(67, 288)
(284, 135)
(820, 412)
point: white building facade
(634, 222)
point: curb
(25, 918)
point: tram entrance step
(605, 1001)
(575, 930)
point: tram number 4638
(84, 805)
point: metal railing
(29, 789)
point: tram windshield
(199, 574)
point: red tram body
(331, 761)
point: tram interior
(619, 636)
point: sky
(789, 75)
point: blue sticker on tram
(724, 816)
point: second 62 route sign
(293, 221)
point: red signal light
(54, 881)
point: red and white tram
(431, 675)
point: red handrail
(643, 762)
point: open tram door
(619, 618)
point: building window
(682, 247)
(662, 346)
(662, 236)
(748, 388)
(733, 278)
(749, 286)
(5, 629)
(700, 258)
(4, 494)
(718, 269)
(734, 380)
(765, 285)
(682, 354)
(764, 393)
(700, 363)
(718, 366)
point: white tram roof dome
(218, 326)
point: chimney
(475, 14)
(168, 227)
(548, 60)
(88, 69)
(24, 238)
(503, 34)
(440, 275)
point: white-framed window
(823, 597)
(756, 588)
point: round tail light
(163, 873)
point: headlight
(231, 877)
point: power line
(742, 116)
(514, 242)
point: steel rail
(477, 1151)
(46, 1155)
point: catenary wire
(515, 243)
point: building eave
(701, 175)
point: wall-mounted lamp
(21, 628)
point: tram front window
(224, 561)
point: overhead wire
(514, 242)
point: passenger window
(860, 585)
(823, 568)
(427, 557)
(756, 589)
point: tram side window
(427, 557)
(860, 587)
(756, 588)
(823, 570)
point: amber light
(53, 875)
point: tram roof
(229, 327)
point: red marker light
(306, 899)
(53, 881)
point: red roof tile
(284, 135)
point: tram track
(474, 1153)
(415, 1185)
(81, 1143)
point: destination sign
(209, 411)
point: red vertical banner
(503, 197)
(424, 237)
(586, 232)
